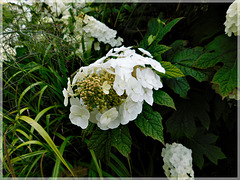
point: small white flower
(130, 110)
(119, 85)
(146, 77)
(108, 118)
(148, 96)
(106, 87)
(79, 114)
(134, 90)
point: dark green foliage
(203, 144)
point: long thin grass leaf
(40, 96)
(28, 155)
(27, 143)
(96, 164)
(116, 170)
(11, 78)
(25, 91)
(23, 133)
(125, 172)
(41, 113)
(47, 138)
(57, 164)
(32, 165)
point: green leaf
(226, 77)
(150, 123)
(171, 70)
(176, 46)
(183, 121)
(162, 98)
(47, 138)
(221, 49)
(203, 144)
(121, 139)
(153, 27)
(158, 49)
(163, 31)
(199, 75)
(150, 39)
(157, 30)
(184, 61)
(179, 86)
(101, 142)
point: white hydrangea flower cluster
(111, 91)
(177, 162)
(90, 28)
(232, 23)
(97, 29)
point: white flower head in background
(232, 23)
(177, 162)
(111, 91)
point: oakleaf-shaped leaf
(162, 98)
(221, 49)
(184, 61)
(150, 123)
(203, 144)
(121, 139)
(183, 121)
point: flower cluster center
(97, 91)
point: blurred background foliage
(204, 120)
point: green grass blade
(57, 164)
(33, 164)
(120, 166)
(25, 91)
(47, 138)
(96, 164)
(27, 143)
(40, 96)
(28, 155)
(39, 115)
(23, 133)
(11, 78)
